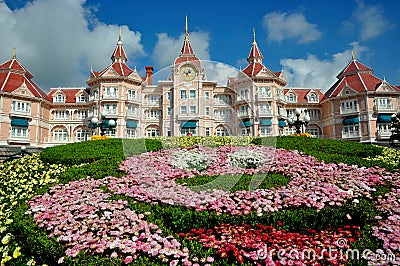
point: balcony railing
(384, 107)
(348, 110)
(355, 134)
(384, 134)
(21, 112)
(264, 95)
(243, 113)
(19, 136)
(132, 114)
(262, 112)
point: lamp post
(298, 123)
(103, 124)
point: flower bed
(19, 180)
(71, 212)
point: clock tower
(187, 93)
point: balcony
(384, 108)
(134, 115)
(242, 99)
(222, 103)
(21, 112)
(22, 137)
(384, 134)
(265, 112)
(243, 114)
(264, 95)
(110, 97)
(132, 99)
(350, 110)
(188, 116)
(351, 135)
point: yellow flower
(6, 239)
(16, 252)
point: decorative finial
(15, 54)
(120, 36)
(186, 29)
(254, 35)
(352, 55)
(91, 69)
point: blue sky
(59, 40)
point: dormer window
(82, 98)
(60, 98)
(312, 98)
(291, 97)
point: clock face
(188, 73)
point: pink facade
(256, 102)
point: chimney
(149, 74)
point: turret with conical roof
(187, 54)
(119, 55)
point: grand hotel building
(255, 102)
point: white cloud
(368, 21)
(282, 26)
(316, 73)
(168, 48)
(217, 71)
(59, 40)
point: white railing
(355, 134)
(384, 133)
(348, 110)
(384, 107)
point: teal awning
(384, 119)
(245, 124)
(131, 124)
(189, 124)
(91, 125)
(281, 123)
(265, 122)
(348, 121)
(19, 122)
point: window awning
(281, 123)
(19, 122)
(131, 124)
(348, 121)
(91, 125)
(384, 119)
(189, 124)
(265, 122)
(245, 124)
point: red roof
(302, 93)
(120, 68)
(358, 77)
(255, 53)
(187, 47)
(187, 54)
(254, 69)
(354, 67)
(119, 52)
(13, 75)
(70, 94)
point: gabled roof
(358, 78)
(302, 93)
(13, 75)
(70, 94)
(255, 69)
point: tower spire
(255, 55)
(254, 35)
(15, 54)
(353, 58)
(119, 52)
(186, 29)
